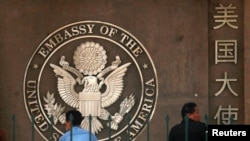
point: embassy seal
(97, 68)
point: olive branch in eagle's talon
(54, 110)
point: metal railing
(13, 134)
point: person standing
(196, 129)
(73, 120)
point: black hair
(75, 117)
(188, 108)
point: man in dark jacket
(191, 124)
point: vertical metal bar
(71, 127)
(231, 120)
(206, 121)
(32, 127)
(186, 128)
(90, 130)
(13, 127)
(128, 131)
(148, 129)
(51, 127)
(109, 130)
(167, 121)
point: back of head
(188, 108)
(75, 117)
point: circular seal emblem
(98, 69)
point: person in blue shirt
(73, 120)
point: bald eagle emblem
(91, 75)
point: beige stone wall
(174, 33)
